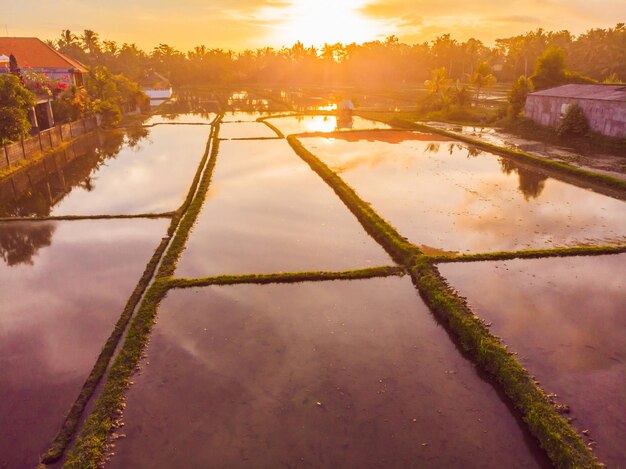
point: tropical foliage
(15, 101)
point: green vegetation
(88, 217)
(530, 254)
(596, 53)
(192, 208)
(574, 122)
(287, 277)
(15, 102)
(551, 70)
(517, 96)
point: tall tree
(15, 102)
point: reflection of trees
(472, 151)
(35, 191)
(531, 183)
(19, 242)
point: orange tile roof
(32, 52)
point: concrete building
(603, 105)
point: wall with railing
(13, 154)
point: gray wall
(605, 117)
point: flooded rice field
(188, 118)
(330, 374)
(348, 373)
(63, 285)
(446, 196)
(565, 317)
(604, 163)
(246, 130)
(266, 211)
(304, 123)
(141, 170)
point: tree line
(598, 53)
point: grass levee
(532, 254)
(287, 277)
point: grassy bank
(89, 217)
(531, 254)
(287, 277)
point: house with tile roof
(35, 55)
(30, 54)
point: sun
(318, 22)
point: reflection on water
(56, 311)
(20, 241)
(565, 317)
(138, 170)
(266, 211)
(318, 374)
(246, 130)
(301, 124)
(188, 107)
(453, 197)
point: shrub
(517, 96)
(574, 122)
(110, 112)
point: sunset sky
(242, 24)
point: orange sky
(241, 24)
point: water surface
(448, 196)
(144, 170)
(301, 124)
(63, 285)
(327, 374)
(246, 130)
(266, 211)
(565, 317)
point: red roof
(34, 53)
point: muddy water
(63, 285)
(565, 317)
(328, 374)
(447, 196)
(246, 130)
(266, 211)
(301, 124)
(112, 173)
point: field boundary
(563, 445)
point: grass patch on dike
(531, 254)
(287, 277)
(89, 217)
(72, 419)
(191, 212)
(604, 184)
(563, 445)
(92, 443)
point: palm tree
(68, 39)
(90, 40)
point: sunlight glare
(315, 22)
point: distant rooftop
(34, 53)
(596, 92)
